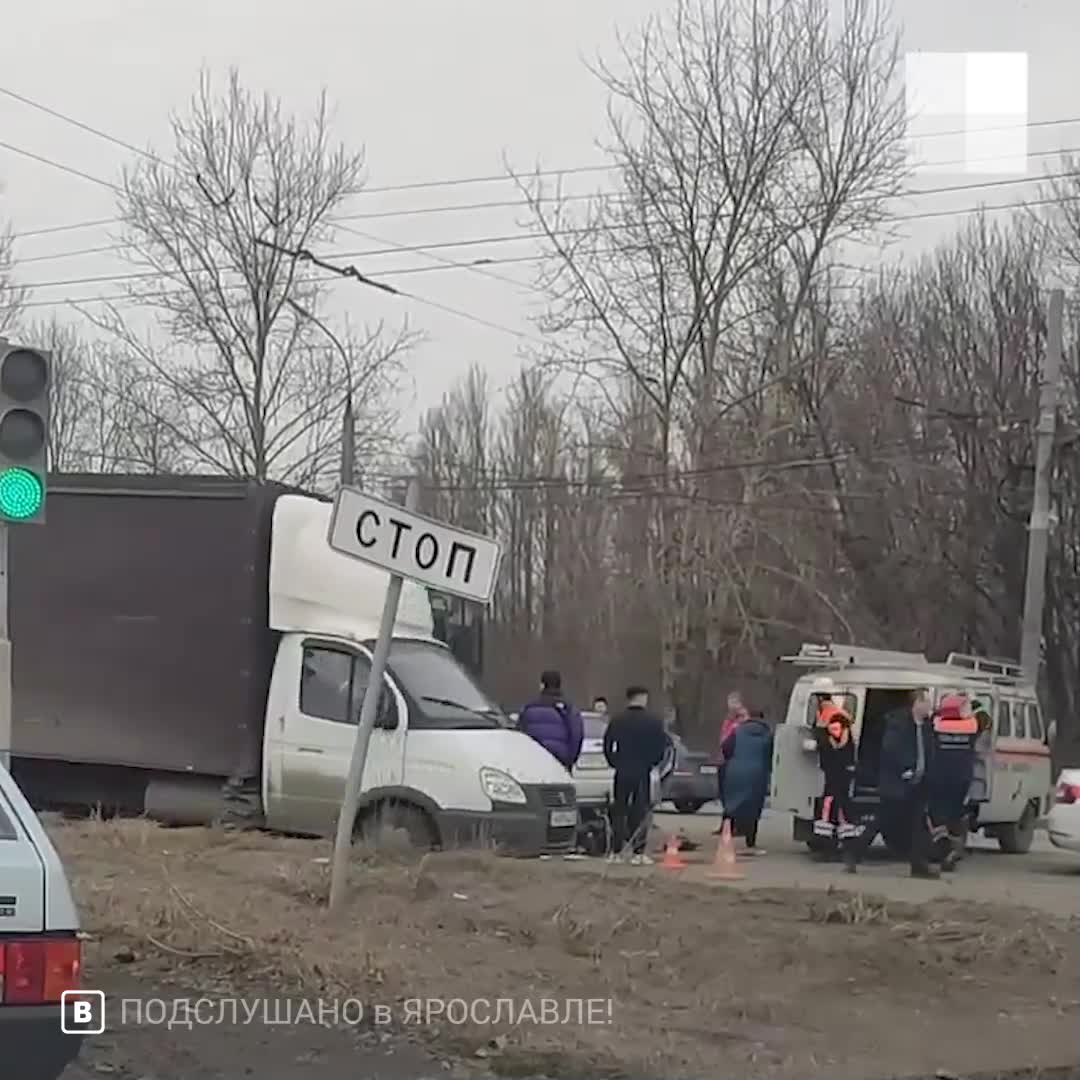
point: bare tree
(896, 515)
(252, 380)
(12, 295)
(105, 415)
(752, 144)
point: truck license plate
(560, 819)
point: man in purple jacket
(553, 721)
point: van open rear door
(796, 777)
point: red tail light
(36, 971)
(1068, 794)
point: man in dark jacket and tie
(905, 757)
(635, 743)
(554, 722)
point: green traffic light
(21, 494)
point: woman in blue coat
(747, 753)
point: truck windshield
(443, 689)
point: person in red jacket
(737, 713)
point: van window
(325, 682)
(7, 826)
(332, 687)
(444, 691)
(1019, 727)
(1035, 728)
(847, 702)
(1004, 724)
(387, 717)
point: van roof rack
(990, 668)
(811, 655)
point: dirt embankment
(702, 981)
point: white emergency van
(868, 684)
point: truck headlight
(501, 787)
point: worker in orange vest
(837, 822)
(954, 732)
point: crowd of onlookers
(636, 742)
(929, 783)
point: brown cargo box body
(139, 624)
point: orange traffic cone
(724, 866)
(672, 859)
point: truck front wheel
(394, 823)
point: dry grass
(695, 974)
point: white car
(1063, 821)
(40, 950)
(594, 778)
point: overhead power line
(70, 169)
(304, 256)
(886, 453)
(506, 238)
(77, 123)
(128, 298)
(339, 221)
(440, 183)
(448, 264)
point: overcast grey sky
(434, 90)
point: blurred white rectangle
(967, 112)
(997, 111)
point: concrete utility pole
(1039, 525)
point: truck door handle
(309, 750)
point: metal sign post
(406, 545)
(339, 870)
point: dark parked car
(693, 781)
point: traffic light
(24, 433)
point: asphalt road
(1044, 878)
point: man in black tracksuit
(634, 744)
(905, 753)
